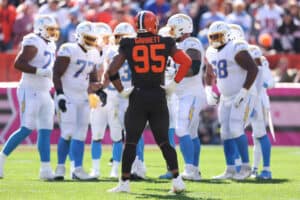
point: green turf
(21, 179)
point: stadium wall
(285, 108)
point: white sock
(72, 166)
(256, 153)
(267, 169)
(45, 165)
(2, 158)
(96, 164)
(230, 168)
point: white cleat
(228, 174)
(95, 173)
(114, 172)
(178, 185)
(188, 172)
(243, 174)
(80, 174)
(46, 174)
(140, 169)
(60, 172)
(123, 186)
(197, 174)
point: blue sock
(266, 149)
(140, 149)
(44, 144)
(77, 150)
(15, 139)
(96, 149)
(63, 148)
(117, 151)
(242, 145)
(171, 137)
(187, 149)
(229, 151)
(197, 148)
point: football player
(147, 54)
(35, 61)
(189, 93)
(74, 72)
(236, 73)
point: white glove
(170, 72)
(44, 72)
(126, 92)
(240, 97)
(170, 87)
(211, 97)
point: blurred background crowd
(272, 24)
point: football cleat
(123, 186)
(46, 174)
(139, 170)
(197, 174)
(228, 174)
(178, 185)
(254, 173)
(265, 175)
(60, 172)
(114, 171)
(188, 172)
(243, 174)
(80, 174)
(167, 175)
(95, 173)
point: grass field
(22, 167)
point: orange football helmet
(146, 21)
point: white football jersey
(193, 84)
(230, 76)
(43, 59)
(75, 80)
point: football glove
(93, 100)
(61, 99)
(240, 97)
(44, 72)
(211, 97)
(170, 87)
(125, 93)
(102, 96)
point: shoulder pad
(65, 50)
(30, 40)
(239, 45)
(192, 43)
(255, 51)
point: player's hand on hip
(44, 72)
(240, 97)
(125, 93)
(211, 97)
(95, 86)
(170, 87)
(102, 96)
(61, 101)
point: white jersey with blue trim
(75, 80)
(191, 85)
(230, 76)
(44, 58)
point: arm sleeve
(185, 63)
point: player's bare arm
(209, 75)
(94, 83)
(60, 67)
(23, 59)
(245, 61)
(195, 55)
(113, 69)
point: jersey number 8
(221, 68)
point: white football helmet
(180, 24)
(218, 34)
(86, 35)
(255, 51)
(104, 32)
(164, 31)
(47, 27)
(236, 32)
(123, 29)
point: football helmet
(123, 29)
(236, 32)
(218, 34)
(146, 21)
(47, 27)
(164, 31)
(86, 35)
(104, 32)
(255, 51)
(180, 24)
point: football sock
(266, 149)
(197, 148)
(15, 139)
(242, 145)
(237, 161)
(171, 134)
(62, 150)
(96, 149)
(77, 150)
(187, 149)
(229, 151)
(117, 151)
(140, 149)
(43, 144)
(256, 153)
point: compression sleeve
(185, 62)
